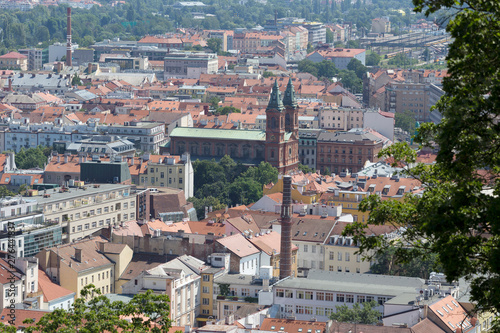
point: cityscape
(249, 166)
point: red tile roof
(51, 291)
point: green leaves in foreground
(144, 313)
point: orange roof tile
(51, 291)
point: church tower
(282, 130)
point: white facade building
(316, 296)
(180, 280)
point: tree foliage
(32, 157)
(457, 217)
(229, 183)
(373, 59)
(365, 314)
(387, 263)
(94, 312)
(4, 192)
(405, 120)
(323, 69)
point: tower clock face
(273, 137)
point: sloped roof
(238, 245)
(51, 291)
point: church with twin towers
(278, 144)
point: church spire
(275, 100)
(289, 98)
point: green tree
(387, 263)
(214, 102)
(76, 81)
(227, 110)
(326, 69)
(267, 74)
(200, 204)
(93, 312)
(214, 44)
(402, 60)
(358, 68)
(307, 66)
(457, 217)
(405, 120)
(4, 192)
(329, 35)
(373, 59)
(358, 314)
(350, 81)
(207, 172)
(305, 168)
(264, 173)
(244, 191)
(31, 158)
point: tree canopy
(457, 217)
(94, 312)
(405, 120)
(359, 314)
(32, 157)
(228, 183)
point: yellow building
(340, 252)
(349, 200)
(306, 188)
(73, 266)
(207, 301)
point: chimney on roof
(78, 255)
(58, 158)
(65, 158)
(10, 84)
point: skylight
(442, 315)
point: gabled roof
(270, 243)
(171, 227)
(243, 223)
(51, 291)
(452, 314)
(238, 245)
(312, 228)
(13, 55)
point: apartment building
(381, 25)
(14, 60)
(31, 231)
(169, 171)
(310, 234)
(308, 139)
(11, 285)
(340, 251)
(148, 136)
(81, 211)
(316, 32)
(190, 65)
(34, 58)
(399, 90)
(348, 151)
(340, 57)
(342, 119)
(74, 266)
(180, 280)
(316, 296)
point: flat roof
(75, 192)
(211, 133)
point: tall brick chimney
(69, 52)
(286, 229)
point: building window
(305, 248)
(206, 301)
(299, 295)
(339, 258)
(280, 292)
(340, 298)
(206, 278)
(361, 299)
(308, 295)
(349, 298)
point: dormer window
(386, 189)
